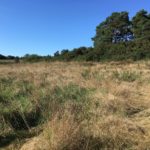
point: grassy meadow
(75, 106)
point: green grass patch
(53, 100)
(23, 106)
(16, 104)
(128, 76)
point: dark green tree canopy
(56, 54)
(2, 56)
(105, 31)
(141, 25)
(64, 51)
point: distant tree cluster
(9, 57)
(132, 37)
(77, 54)
(3, 57)
(117, 38)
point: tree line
(117, 38)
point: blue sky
(45, 26)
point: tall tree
(141, 25)
(117, 22)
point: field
(75, 106)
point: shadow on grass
(6, 140)
(9, 138)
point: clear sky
(45, 26)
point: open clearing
(75, 106)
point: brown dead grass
(119, 115)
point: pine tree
(141, 25)
(116, 23)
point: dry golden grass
(118, 115)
